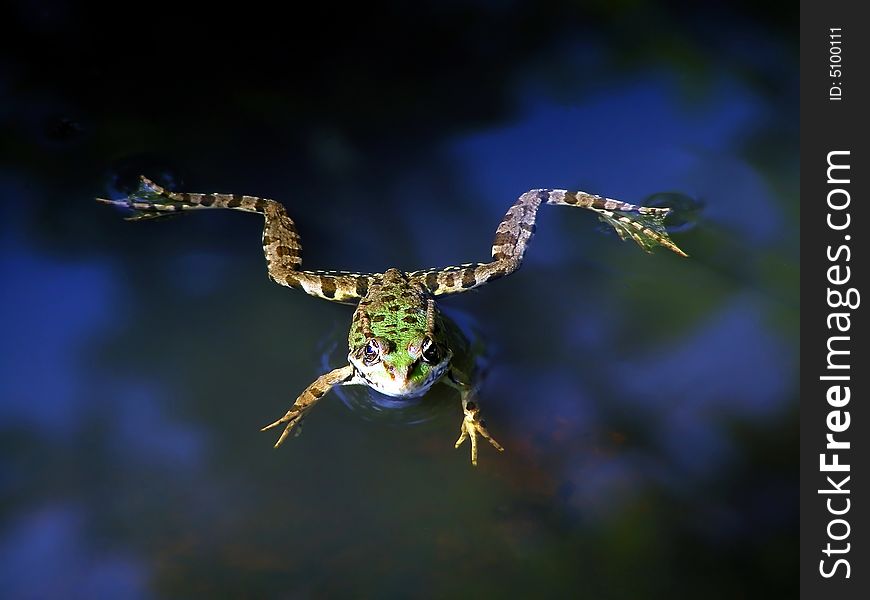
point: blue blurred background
(648, 403)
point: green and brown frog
(400, 344)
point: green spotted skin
(399, 343)
(399, 315)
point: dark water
(647, 403)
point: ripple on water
(122, 178)
(685, 210)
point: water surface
(647, 403)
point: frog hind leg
(307, 399)
(282, 244)
(642, 224)
(472, 424)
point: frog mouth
(403, 387)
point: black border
(825, 126)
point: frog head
(406, 363)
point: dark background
(648, 404)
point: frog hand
(472, 425)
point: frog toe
(470, 428)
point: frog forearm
(308, 398)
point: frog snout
(395, 372)
(391, 371)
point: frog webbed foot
(471, 426)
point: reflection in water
(57, 536)
(371, 405)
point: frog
(400, 343)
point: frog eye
(431, 351)
(371, 351)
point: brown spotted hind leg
(644, 225)
(281, 242)
(308, 398)
(472, 424)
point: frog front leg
(472, 423)
(308, 398)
